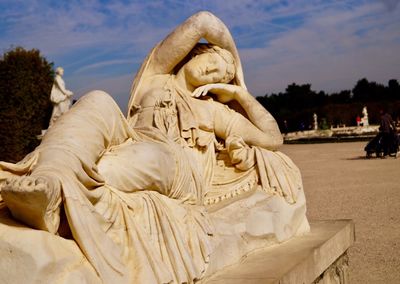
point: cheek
(191, 72)
(216, 78)
(219, 74)
(201, 80)
(213, 77)
(195, 78)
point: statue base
(31, 256)
(317, 257)
(35, 256)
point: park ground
(340, 183)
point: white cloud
(330, 50)
(330, 44)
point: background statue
(60, 96)
(364, 118)
(315, 121)
(151, 198)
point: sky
(101, 44)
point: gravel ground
(340, 183)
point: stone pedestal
(318, 257)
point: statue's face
(206, 68)
(60, 71)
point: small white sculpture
(60, 96)
(183, 186)
(364, 119)
(315, 123)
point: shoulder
(154, 80)
(152, 88)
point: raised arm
(181, 41)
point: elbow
(203, 20)
(276, 143)
(272, 144)
(204, 15)
(279, 140)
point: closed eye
(211, 70)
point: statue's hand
(223, 92)
(241, 155)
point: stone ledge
(300, 260)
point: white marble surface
(59, 96)
(192, 173)
(299, 260)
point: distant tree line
(26, 79)
(294, 108)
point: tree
(294, 108)
(343, 97)
(360, 90)
(365, 91)
(394, 89)
(26, 79)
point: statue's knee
(153, 155)
(98, 96)
(96, 100)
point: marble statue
(364, 118)
(188, 183)
(315, 121)
(59, 96)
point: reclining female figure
(133, 189)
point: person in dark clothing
(386, 129)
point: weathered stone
(312, 258)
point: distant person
(60, 96)
(358, 120)
(285, 126)
(387, 128)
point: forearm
(252, 135)
(59, 82)
(230, 123)
(259, 118)
(181, 41)
(67, 93)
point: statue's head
(207, 64)
(59, 71)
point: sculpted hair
(201, 48)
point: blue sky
(101, 44)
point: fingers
(203, 90)
(200, 91)
(196, 93)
